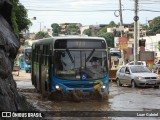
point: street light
(40, 23)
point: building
(151, 44)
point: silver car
(137, 75)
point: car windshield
(139, 69)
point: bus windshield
(80, 65)
(28, 56)
(116, 53)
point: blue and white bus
(67, 64)
(25, 59)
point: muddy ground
(123, 99)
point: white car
(137, 75)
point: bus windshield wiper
(70, 56)
(89, 56)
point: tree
(19, 17)
(87, 32)
(55, 29)
(72, 29)
(103, 30)
(41, 35)
(112, 24)
(154, 25)
(109, 37)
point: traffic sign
(123, 42)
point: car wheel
(133, 84)
(118, 82)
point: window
(127, 70)
(85, 65)
(122, 70)
(79, 43)
(37, 48)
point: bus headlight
(57, 87)
(103, 86)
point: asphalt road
(131, 102)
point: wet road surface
(120, 99)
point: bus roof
(52, 39)
(28, 48)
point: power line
(71, 10)
(58, 10)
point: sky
(87, 12)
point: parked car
(155, 67)
(137, 75)
(138, 63)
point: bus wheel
(44, 89)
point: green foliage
(14, 23)
(117, 34)
(112, 24)
(55, 29)
(129, 35)
(41, 35)
(72, 29)
(87, 32)
(20, 19)
(103, 30)
(109, 37)
(154, 25)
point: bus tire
(43, 89)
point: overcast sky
(87, 12)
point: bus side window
(35, 53)
(43, 55)
(47, 54)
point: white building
(151, 43)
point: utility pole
(121, 24)
(120, 14)
(136, 18)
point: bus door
(44, 69)
(37, 70)
(40, 71)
